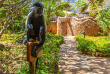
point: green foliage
(94, 9)
(93, 47)
(12, 53)
(98, 10)
(51, 9)
(18, 23)
(46, 0)
(50, 57)
(94, 5)
(49, 60)
(82, 5)
(104, 20)
(2, 13)
(63, 5)
(85, 45)
(60, 13)
(1, 27)
(24, 67)
(73, 14)
(21, 39)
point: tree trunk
(2, 31)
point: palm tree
(92, 6)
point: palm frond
(83, 9)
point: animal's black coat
(37, 21)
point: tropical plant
(93, 6)
(104, 20)
(81, 5)
(51, 9)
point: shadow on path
(73, 62)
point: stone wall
(61, 26)
(87, 25)
(74, 26)
(69, 27)
(52, 28)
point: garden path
(73, 62)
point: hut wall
(87, 25)
(74, 26)
(52, 28)
(61, 26)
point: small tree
(9, 11)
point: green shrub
(91, 47)
(103, 20)
(85, 45)
(49, 59)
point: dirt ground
(73, 61)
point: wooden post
(84, 34)
(31, 64)
(29, 56)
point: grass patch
(96, 46)
(12, 54)
(13, 60)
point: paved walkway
(73, 62)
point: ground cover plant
(97, 46)
(13, 55)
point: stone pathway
(73, 62)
